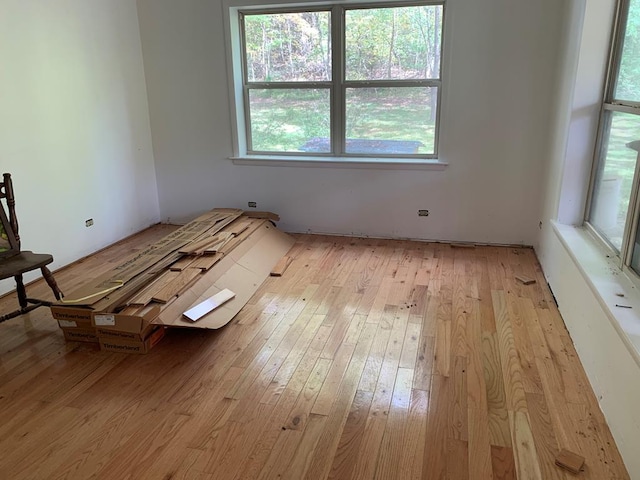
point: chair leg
(22, 293)
(48, 276)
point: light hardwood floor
(367, 359)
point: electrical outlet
(423, 213)
(88, 223)
(253, 204)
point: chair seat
(23, 262)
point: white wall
(612, 371)
(74, 124)
(499, 75)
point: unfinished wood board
(207, 261)
(209, 305)
(265, 215)
(525, 280)
(463, 245)
(145, 295)
(223, 239)
(569, 461)
(281, 266)
(236, 228)
(199, 246)
(183, 263)
(130, 310)
(176, 285)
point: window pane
(613, 184)
(628, 85)
(393, 43)
(285, 120)
(391, 120)
(288, 47)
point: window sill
(335, 162)
(606, 281)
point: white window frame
(610, 104)
(238, 89)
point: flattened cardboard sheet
(242, 271)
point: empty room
(358, 239)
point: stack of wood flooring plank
(223, 248)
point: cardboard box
(82, 324)
(80, 335)
(125, 327)
(71, 314)
(119, 345)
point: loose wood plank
(281, 266)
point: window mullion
(247, 116)
(337, 91)
(619, 107)
(631, 226)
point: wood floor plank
(266, 436)
(412, 456)
(458, 409)
(496, 397)
(480, 463)
(457, 459)
(327, 394)
(424, 363)
(503, 463)
(435, 446)
(391, 448)
(509, 359)
(544, 437)
(351, 437)
(519, 307)
(524, 448)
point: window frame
(609, 105)
(240, 86)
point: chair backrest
(9, 238)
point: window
(614, 207)
(340, 81)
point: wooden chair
(14, 262)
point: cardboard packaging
(242, 271)
(79, 316)
(114, 331)
(252, 249)
(78, 330)
(125, 327)
(80, 335)
(141, 346)
(128, 333)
